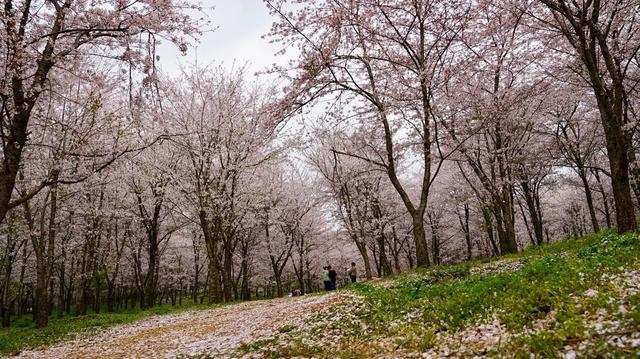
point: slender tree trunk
(526, 223)
(534, 215)
(245, 292)
(488, 226)
(605, 199)
(589, 197)
(384, 261)
(62, 282)
(464, 223)
(6, 306)
(435, 244)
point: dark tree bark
(43, 240)
(588, 30)
(605, 199)
(533, 205)
(463, 219)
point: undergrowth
(405, 317)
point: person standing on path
(332, 277)
(326, 279)
(353, 272)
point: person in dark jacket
(332, 277)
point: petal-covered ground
(204, 333)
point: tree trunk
(6, 306)
(526, 223)
(619, 164)
(278, 285)
(534, 215)
(464, 223)
(245, 292)
(589, 196)
(151, 280)
(213, 270)
(227, 284)
(605, 199)
(488, 226)
(41, 297)
(584, 30)
(384, 261)
(422, 250)
(110, 297)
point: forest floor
(571, 299)
(214, 333)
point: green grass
(408, 316)
(449, 298)
(23, 335)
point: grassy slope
(411, 312)
(554, 291)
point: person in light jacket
(326, 279)
(353, 272)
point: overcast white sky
(240, 25)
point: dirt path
(216, 332)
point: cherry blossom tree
(495, 101)
(224, 131)
(603, 38)
(45, 37)
(390, 60)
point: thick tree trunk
(619, 164)
(213, 280)
(41, 297)
(625, 213)
(422, 250)
(151, 280)
(227, 284)
(278, 285)
(213, 270)
(506, 230)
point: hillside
(571, 299)
(577, 298)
